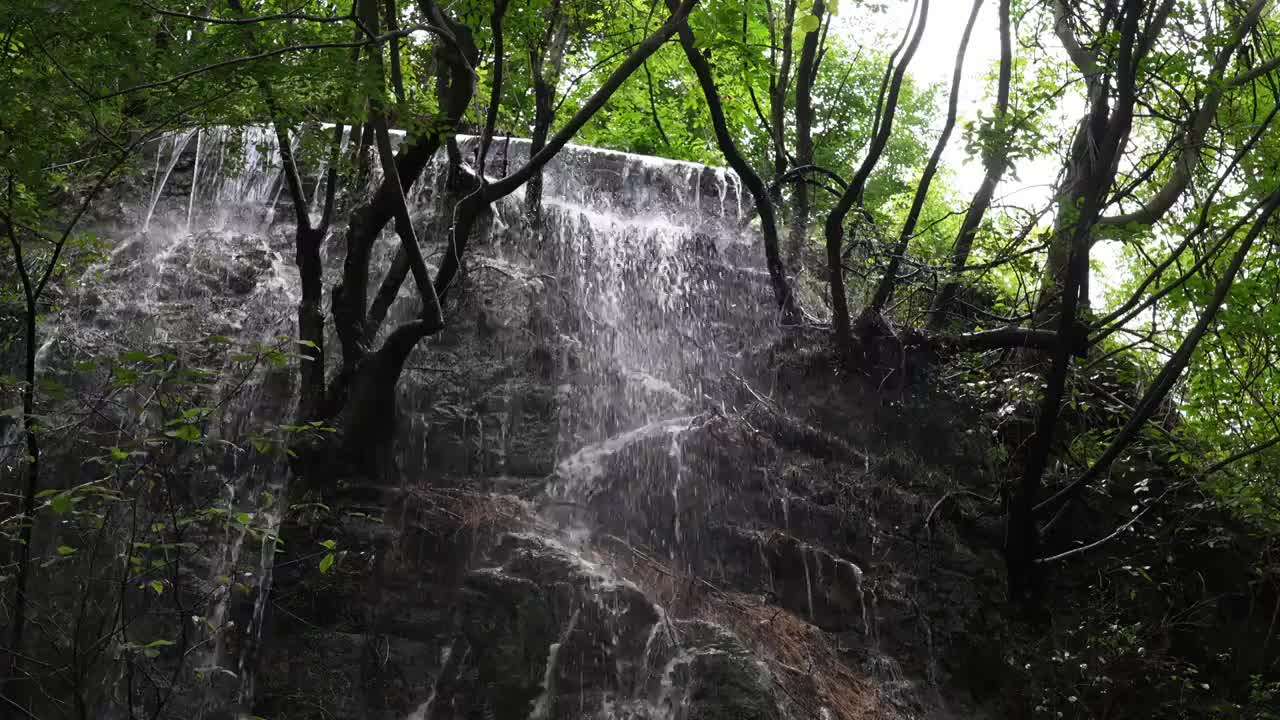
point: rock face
(603, 510)
(489, 621)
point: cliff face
(619, 492)
(710, 558)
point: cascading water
(583, 358)
(196, 262)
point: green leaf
(61, 504)
(326, 562)
(124, 377)
(808, 24)
(152, 649)
(53, 388)
(329, 544)
(65, 550)
(243, 518)
(189, 433)
(262, 444)
(158, 587)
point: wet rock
(520, 626)
(730, 685)
(592, 344)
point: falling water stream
(660, 292)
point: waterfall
(195, 179)
(175, 145)
(605, 332)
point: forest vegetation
(1118, 327)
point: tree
(1171, 155)
(1130, 160)
(42, 233)
(359, 398)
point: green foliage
(85, 84)
(139, 514)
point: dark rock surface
(426, 617)
(683, 548)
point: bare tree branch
(642, 51)
(728, 147)
(995, 162)
(286, 15)
(834, 227)
(1191, 137)
(888, 283)
(1163, 383)
(232, 62)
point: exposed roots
(800, 656)
(476, 511)
(807, 669)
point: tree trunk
(805, 74)
(833, 228)
(995, 162)
(1090, 174)
(546, 64)
(764, 204)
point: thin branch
(180, 77)
(287, 15)
(432, 315)
(1192, 135)
(834, 226)
(495, 91)
(331, 174)
(1108, 538)
(393, 53)
(799, 172)
(889, 282)
(1011, 336)
(724, 139)
(1247, 452)
(1163, 383)
(1256, 72)
(1134, 306)
(653, 106)
(643, 50)
(995, 162)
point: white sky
(934, 63)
